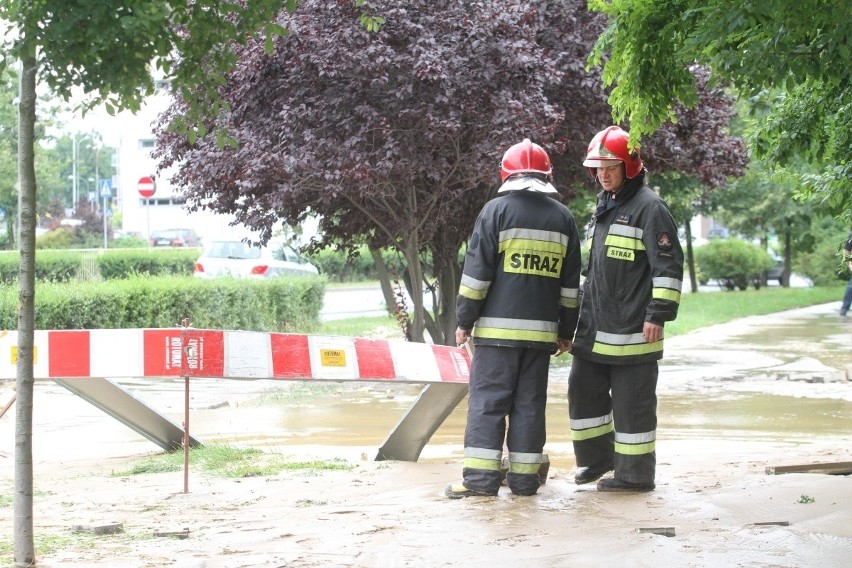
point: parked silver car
(239, 259)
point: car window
(277, 251)
(218, 249)
(250, 252)
(233, 249)
(292, 255)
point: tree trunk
(24, 549)
(384, 277)
(788, 258)
(415, 290)
(690, 259)
(448, 291)
(11, 237)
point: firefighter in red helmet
(518, 304)
(632, 287)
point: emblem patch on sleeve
(664, 241)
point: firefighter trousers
(613, 412)
(506, 383)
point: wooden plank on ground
(836, 468)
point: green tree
(801, 49)
(47, 163)
(106, 49)
(760, 204)
(8, 154)
(93, 164)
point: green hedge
(153, 262)
(279, 304)
(51, 266)
(70, 264)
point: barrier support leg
(412, 432)
(130, 411)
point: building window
(162, 201)
(147, 143)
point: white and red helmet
(608, 148)
(525, 157)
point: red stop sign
(146, 187)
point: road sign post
(106, 194)
(147, 187)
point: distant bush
(70, 237)
(821, 263)
(733, 262)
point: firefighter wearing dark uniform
(518, 299)
(632, 287)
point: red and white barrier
(117, 353)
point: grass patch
(377, 326)
(7, 499)
(711, 308)
(228, 461)
(46, 544)
(304, 503)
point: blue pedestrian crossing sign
(106, 188)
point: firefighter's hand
(653, 332)
(462, 335)
(563, 346)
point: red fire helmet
(525, 157)
(609, 147)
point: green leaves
(371, 23)
(799, 47)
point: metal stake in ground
(184, 372)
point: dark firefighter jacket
(634, 275)
(520, 282)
